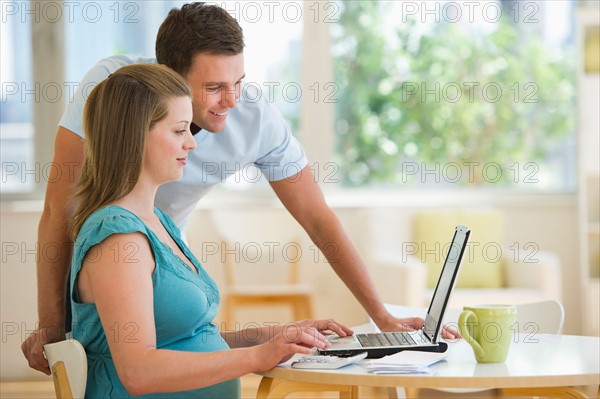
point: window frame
(317, 118)
(48, 65)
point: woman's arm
(258, 335)
(123, 293)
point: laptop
(427, 339)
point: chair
(68, 364)
(261, 258)
(548, 317)
(491, 272)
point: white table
(542, 364)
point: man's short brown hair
(193, 29)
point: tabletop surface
(534, 360)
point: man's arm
(52, 230)
(302, 197)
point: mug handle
(463, 319)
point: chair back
(483, 267)
(68, 363)
(545, 317)
(258, 245)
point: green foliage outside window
(452, 96)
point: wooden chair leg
(549, 392)
(351, 393)
(62, 387)
(302, 309)
(411, 393)
(264, 388)
(228, 310)
(307, 304)
(278, 389)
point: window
(273, 37)
(97, 29)
(272, 58)
(456, 94)
(18, 94)
(100, 29)
(92, 30)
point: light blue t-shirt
(185, 304)
(255, 134)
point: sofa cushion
(482, 265)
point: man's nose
(229, 98)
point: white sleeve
(281, 154)
(73, 115)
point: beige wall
(18, 306)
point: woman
(142, 304)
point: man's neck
(195, 128)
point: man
(205, 45)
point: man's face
(216, 84)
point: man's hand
(412, 324)
(33, 347)
(52, 230)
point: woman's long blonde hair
(117, 116)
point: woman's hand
(299, 337)
(327, 327)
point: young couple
(142, 304)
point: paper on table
(405, 362)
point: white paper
(405, 362)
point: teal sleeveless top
(185, 304)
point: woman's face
(169, 141)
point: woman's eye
(180, 132)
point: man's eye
(212, 88)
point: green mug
(487, 328)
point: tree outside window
(430, 99)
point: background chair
(494, 270)
(68, 364)
(548, 317)
(260, 256)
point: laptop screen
(441, 295)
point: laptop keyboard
(385, 339)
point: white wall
(371, 221)
(18, 293)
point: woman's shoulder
(107, 221)
(113, 230)
(167, 221)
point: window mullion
(48, 76)
(320, 94)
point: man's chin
(214, 127)
(217, 129)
